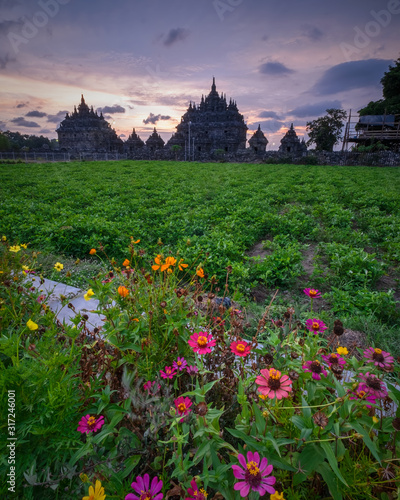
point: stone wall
(384, 158)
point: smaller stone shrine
(155, 141)
(133, 143)
(290, 143)
(258, 141)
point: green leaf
(326, 473)
(367, 440)
(327, 447)
(130, 463)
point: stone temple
(211, 125)
(85, 130)
(290, 143)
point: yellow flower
(4, 238)
(24, 245)
(25, 268)
(375, 420)
(277, 496)
(88, 294)
(182, 265)
(58, 267)
(15, 248)
(342, 350)
(200, 272)
(32, 325)
(97, 493)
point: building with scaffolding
(368, 130)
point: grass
(212, 214)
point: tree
(325, 132)
(390, 104)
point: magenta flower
(192, 370)
(201, 342)
(316, 325)
(149, 386)
(183, 405)
(273, 384)
(180, 364)
(315, 368)
(380, 358)
(312, 293)
(196, 493)
(169, 372)
(41, 298)
(253, 474)
(334, 359)
(374, 386)
(240, 348)
(141, 486)
(90, 424)
(362, 392)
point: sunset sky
(142, 61)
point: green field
(345, 221)
(275, 387)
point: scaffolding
(366, 130)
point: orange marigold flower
(92, 251)
(126, 263)
(134, 242)
(200, 272)
(123, 291)
(182, 265)
(157, 264)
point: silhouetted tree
(325, 132)
(390, 104)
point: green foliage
(390, 104)
(325, 132)
(321, 440)
(352, 267)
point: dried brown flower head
(320, 419)
(396, 424)
(338, 328)
(201, 409)
(293, 375)
(268, 359)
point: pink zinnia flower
(141, 486)
(312, 293)
(380, 358)
(315, 368)
(90, 424)
(201, 342)
(375, 387)
(148, 386)
(183, 405)
(315, 325)
(180, 364)
(273, 384)
(333, 359)
(192, 370)
(253, 474)
(196, 493)
(240, 348)
(169, 372)
(362, 392)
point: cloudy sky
(142, 61)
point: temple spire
(213, 86)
